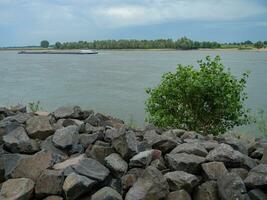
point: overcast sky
(27, 22)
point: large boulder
(25, 166)
(230, 157)
(232, 187)
(151, 185)
(116, 164)
(144, 158)
(17, 189)
(66, 137)
(184, 162)
(76, 185)
(207, 191)
(106, 193)
(190, 148)
(243, 173)
(213, 170)
(50, 182)
(39, 127)
(257, 177)
(126, 144)
(17, 141)
(236, 144)
(68, 112)
(179, 180)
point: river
(113, 82)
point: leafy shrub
(208, 100)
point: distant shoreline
(200, 49)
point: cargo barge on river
(79, 52)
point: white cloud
(158, 11)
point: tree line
(183, 43)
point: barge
(79, 52)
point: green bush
(208, 100)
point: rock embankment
(78, 154)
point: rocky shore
(78, 154)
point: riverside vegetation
(79, 154)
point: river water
(112, 82)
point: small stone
(116, 164)
(66, 137)
(207, 191)
(151, 185)
(39, 127)
(76, 185)
(179, 195)
(106, 193)
(185, 162)
(144, 158)
(214, 170)
(130, 178)
(17, 189)
(87, 139)
(49, 182)
(179, 180)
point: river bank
(72, 153)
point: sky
(27, 22)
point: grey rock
(131, 177)
(207, 191)
(179, 180)
(258, 153)
(17, 189)
(76, 185)
(68, 112)
(151, 185)
(99, 152)
(231, 158)
(50, 182)
(20, 118)
(126, 144)
(27, 166)
(264, 157)
(110, 134)
(191, 135)
(235, 143)
(72, 122)
(213, 170)
(53, 197)
(257, 194)
(184, 162)
(159, 164)
(48, 145)
(257, 177)
(164, 143)
(87, 139)
(39, 127)
(106, 193)
(243, 173)
(92, 120)
(179, 195)
(116, 164)
(231, 187)
(2, 170)
(190, 148)
(66, 137)
(144, 158)
(17, 141)
(18, 108)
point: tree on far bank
(44, 44)
(259, 45)
(58, 45)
